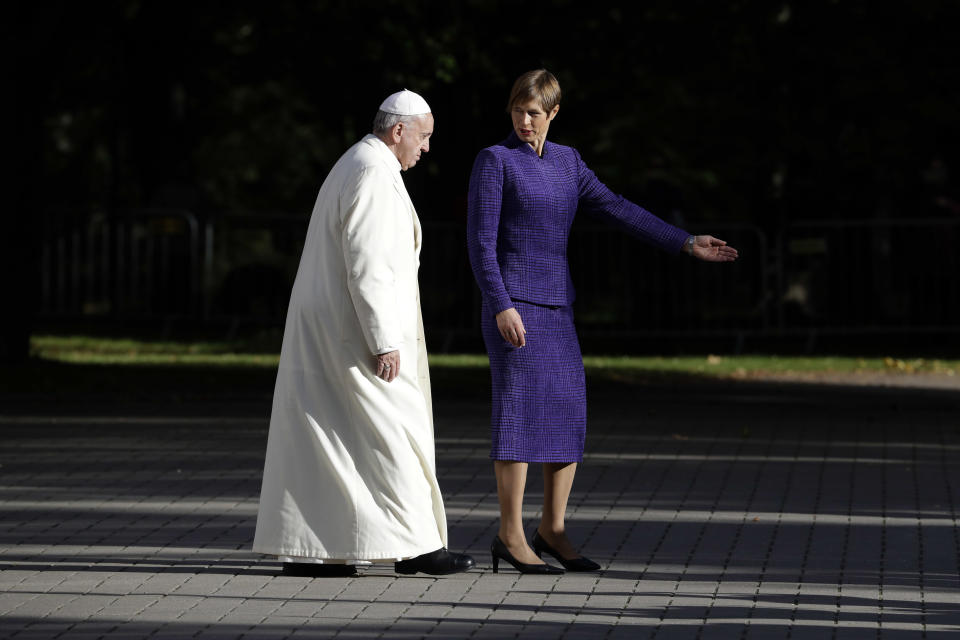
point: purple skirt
(539, 391)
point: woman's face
(531, 122)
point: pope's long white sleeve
(369, 237)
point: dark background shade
(752, 113)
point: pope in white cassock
(350, 475)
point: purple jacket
(520, 208)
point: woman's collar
(514, 141)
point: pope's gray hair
(384, 121)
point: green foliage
(728, 110)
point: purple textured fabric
(540, 397)
(520, 209)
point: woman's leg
(557, 482)
(511, 480)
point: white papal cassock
(350, 471)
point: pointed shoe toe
(581, 564)
(499, 551)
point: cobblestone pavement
(724, 511)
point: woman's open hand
(710, 249)
(511, 327)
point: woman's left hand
(511, 327)
(710, 249)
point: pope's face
(414, 140)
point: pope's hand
(388, 365)
(511, 327)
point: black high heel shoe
(499, 550)
(573, 564)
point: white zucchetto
(405, 103)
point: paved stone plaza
(717, 511)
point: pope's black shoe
(436, 563)
(317, 570)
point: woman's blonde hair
(538, 85)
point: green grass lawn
(126, 351)
(125, 368)
(86, 350)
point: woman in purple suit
(524, 193)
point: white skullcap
(405, 103)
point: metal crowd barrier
(815, 277)
(869, 275)
(143, 262)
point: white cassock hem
(361, 563)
